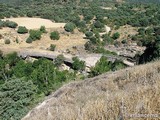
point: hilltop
(135, 89)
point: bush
(89, 46)
(69, 27)
(43, 29)
(16, 95)
(7, 41)
(124, 41)
(98, 24)
(102, 66)
(89, 34)
(78, 64)
(35, 34)
(29, 40)
(52, 47)
(59, 60)
(54, 35)
(116, 36)
(22, 30)
(11, 24)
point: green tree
(69, 27)
(15, 97)
(29, 40)
(11, 59)
(78, 64)
(59, 60)
(54, 35)
(101, 66)
(116, 36)
(52, 47)
(98, 24)
(35, 34)
(43, 29)
(89, 34)
(22, 30)
(11, 24)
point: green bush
(29, 40)
(54, 35)
(52, 47)
(89, 34)
(69, 27)
(11, 24)
(35, 34)
(78, 64)
(7, 41)
(16, 95)
(102, 66)
(43, 29)
(89, 46)
(22, 30)
(98, 24)
(59, 60)
(116, 36)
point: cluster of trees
(22, 83)
(103, 65)
(137, 15)
(33, 34)
(150, 38)
(8, 23)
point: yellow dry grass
(129, 94)
(35, 23)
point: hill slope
(129, 93)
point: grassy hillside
(119, 95)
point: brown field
(66, 41)
(129, 94)
(35, 23)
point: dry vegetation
(112, 96)
(126, 31)
(66, 41)
(35, 23)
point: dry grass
(35, 23)
(112, 96)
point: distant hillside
(121, 95)
(144, 1)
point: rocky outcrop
(122, 94)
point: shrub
(59, 60)
(16, 95)
(102, 66)
(7, 41)
(69, 27)
(78, 64)
(22, 30)
(54, 35)
(11, 24)
(98, 24)
(116, 36)
(35, 34)
(124, 41)
(29, 40)
(52, 47)
(43, 29)
(89, 34)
